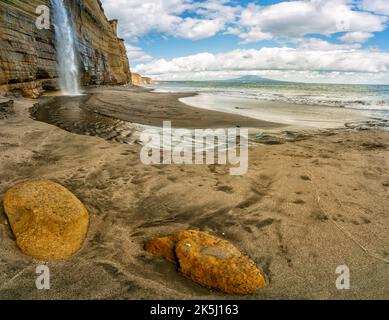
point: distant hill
(251, 79)
(244, 79)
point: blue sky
(305, 40)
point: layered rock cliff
(28, 55)
(138, 80)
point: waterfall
(66, 45)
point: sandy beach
(304, 208)
(133, 104)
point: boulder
(209, 261)
(6, 108)
(163, 247)
(48, 221)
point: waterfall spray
(66, 45)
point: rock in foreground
(49, 222)
(209, 261)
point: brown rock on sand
(209, 261)
(163, 247)
(49, 222)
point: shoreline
(120, 114)
(303, 209)
(293, 115)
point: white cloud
(377, 6)
(136, 54)
(356, 37)
(255, 34)
(141, 17)
(296, 19)
(196, 29)
(287, 22)
(322, 45)
(275, 59)
(190, 19)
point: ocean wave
(321, 100)
(329, 96)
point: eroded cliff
(138, 80)
(28, 55)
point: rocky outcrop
(28, 55)
(138, 80)
(48, 221)
(209, 261)
(103, 55)
(6, 108)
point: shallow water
(364, 97)
(67, 113)
(295, 115)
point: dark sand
(140, 106)
(303, 209)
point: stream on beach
(68, 114)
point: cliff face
(103, 54)
(138, 80)
(28, 56)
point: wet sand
(119, 114)
(303, 209)
(140, 106)
(296, 116)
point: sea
(294, 104)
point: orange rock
(165, 247)
(49, 222)
(209, 261)
(162, 247)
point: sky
(326, 41)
